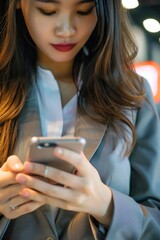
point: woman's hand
(81, 192)
(12, 205)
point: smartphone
(40, 150)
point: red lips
(63, 47)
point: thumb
(13, 164)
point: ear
(18, 4)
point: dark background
(146, 9)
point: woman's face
(59, 28)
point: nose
(65, 26)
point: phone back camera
(46, 145)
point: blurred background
(145, 26)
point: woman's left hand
(80, 192)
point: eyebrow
(47, 1)
(56, 1)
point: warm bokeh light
(151, 71)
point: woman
(66, 69)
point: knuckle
(79, 162)
(80, 199)
(68, 206)
(56, 175)
(49, 191)
(7, 215)
(53, 191)
(59, 175)
(87, 185)
(45, 199)
(27, 208)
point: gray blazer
(158, 108)
(135, 181)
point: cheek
(89, 29)
(36, 30)
(92, 24)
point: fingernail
(21, 179)
(24, 193)
(58, 151)
(17, 166)
(29, 166)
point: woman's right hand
(12, 205)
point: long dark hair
(17, 63)
(109, 84)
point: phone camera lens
(46, 145)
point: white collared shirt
(55, 120)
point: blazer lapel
(92, 132)
(29, 125)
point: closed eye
(84, 13)
(46, 13)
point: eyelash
(46, 13)
(82, 13)
(85, 13)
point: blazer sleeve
(4, 222)
(138, 216)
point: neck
(63, 72)
(64, 77)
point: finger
(47, 193)
(14, 164)
(6, 179)
(75, 159)
(12, 204)
(56, 202)
(25, 208)
(36, 184)
(56, 175)
(10, 192)
(17, 201)
(46, 188)
(52, 194)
